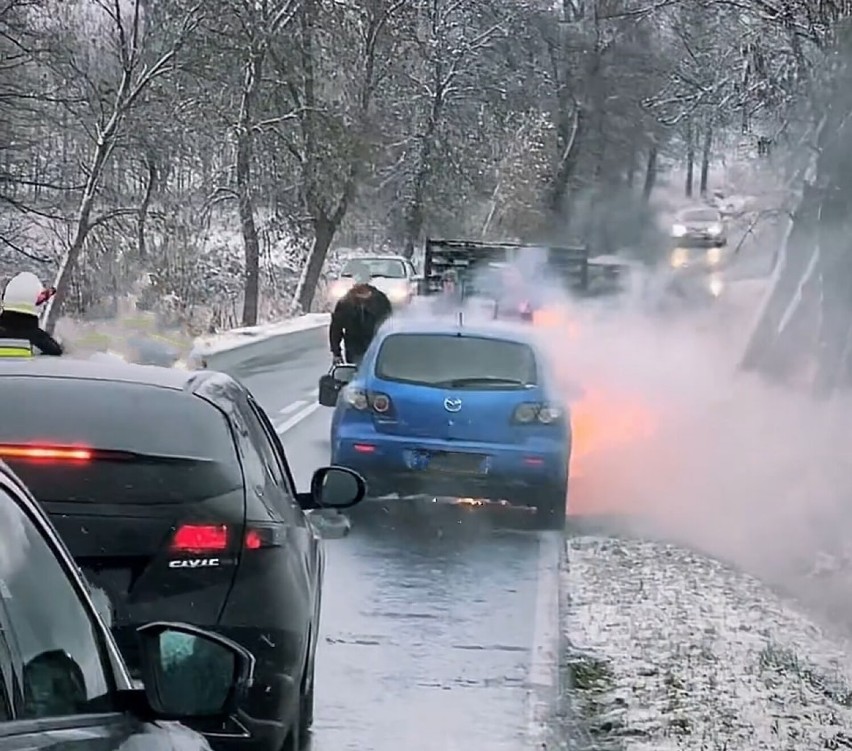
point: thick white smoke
(671, 440)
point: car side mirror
(344, 373)
(334, 487)
(189, 673)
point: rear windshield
(189, 452)
(389, 268)
(701, 215)
(449, 361)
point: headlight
(716, 285)
(714, 255)
(679, 258)
(338, 289)
(715, 229)
(678, 230)
(397, 294)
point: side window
(254, 466)
(272, 446)
(261, 445)
(411, 270)
(63, 665)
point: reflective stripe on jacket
(16, 348)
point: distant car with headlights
(393, 275)
(441, 409)
(699, 226)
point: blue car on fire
(439, 408)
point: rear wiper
(486, 380)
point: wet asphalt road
(432, 629)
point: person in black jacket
(19, 324)
(356, 318)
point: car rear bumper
(512, 470)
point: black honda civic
(173, 493)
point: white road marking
(543, 675)
(292, 407)
(302, 414)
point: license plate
(453, 462)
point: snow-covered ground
(668, 649)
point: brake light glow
(47, 453)
(364, 448)
(200, 538)
(253, 540)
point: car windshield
(183, 444)
(389, 268)
(700, 215)
(450, 361)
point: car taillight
(356, 398)
(260, 536)
(530, 413)
(200, 538)
(375, 400)
(380, 403)
(216, 538)
(50, 453)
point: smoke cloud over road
(672, 441)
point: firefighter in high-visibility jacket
(20, 333)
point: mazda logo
(452, 405)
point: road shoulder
(664, 648)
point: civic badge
(452, 405)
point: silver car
(700, 226)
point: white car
(393, 275)
(699, 226)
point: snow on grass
(208, 345)
(673, 650)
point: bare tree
(136, 75)
(332, 144)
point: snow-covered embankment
(668, 649)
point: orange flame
(603, 422)
(552, 318)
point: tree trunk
(142, 215)
(324, 229)
(650, 174)
(705, 157)
(245, 199)
(413, 212)
(251, 244)
(690, 158)
(569, 135)
(631, 166)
